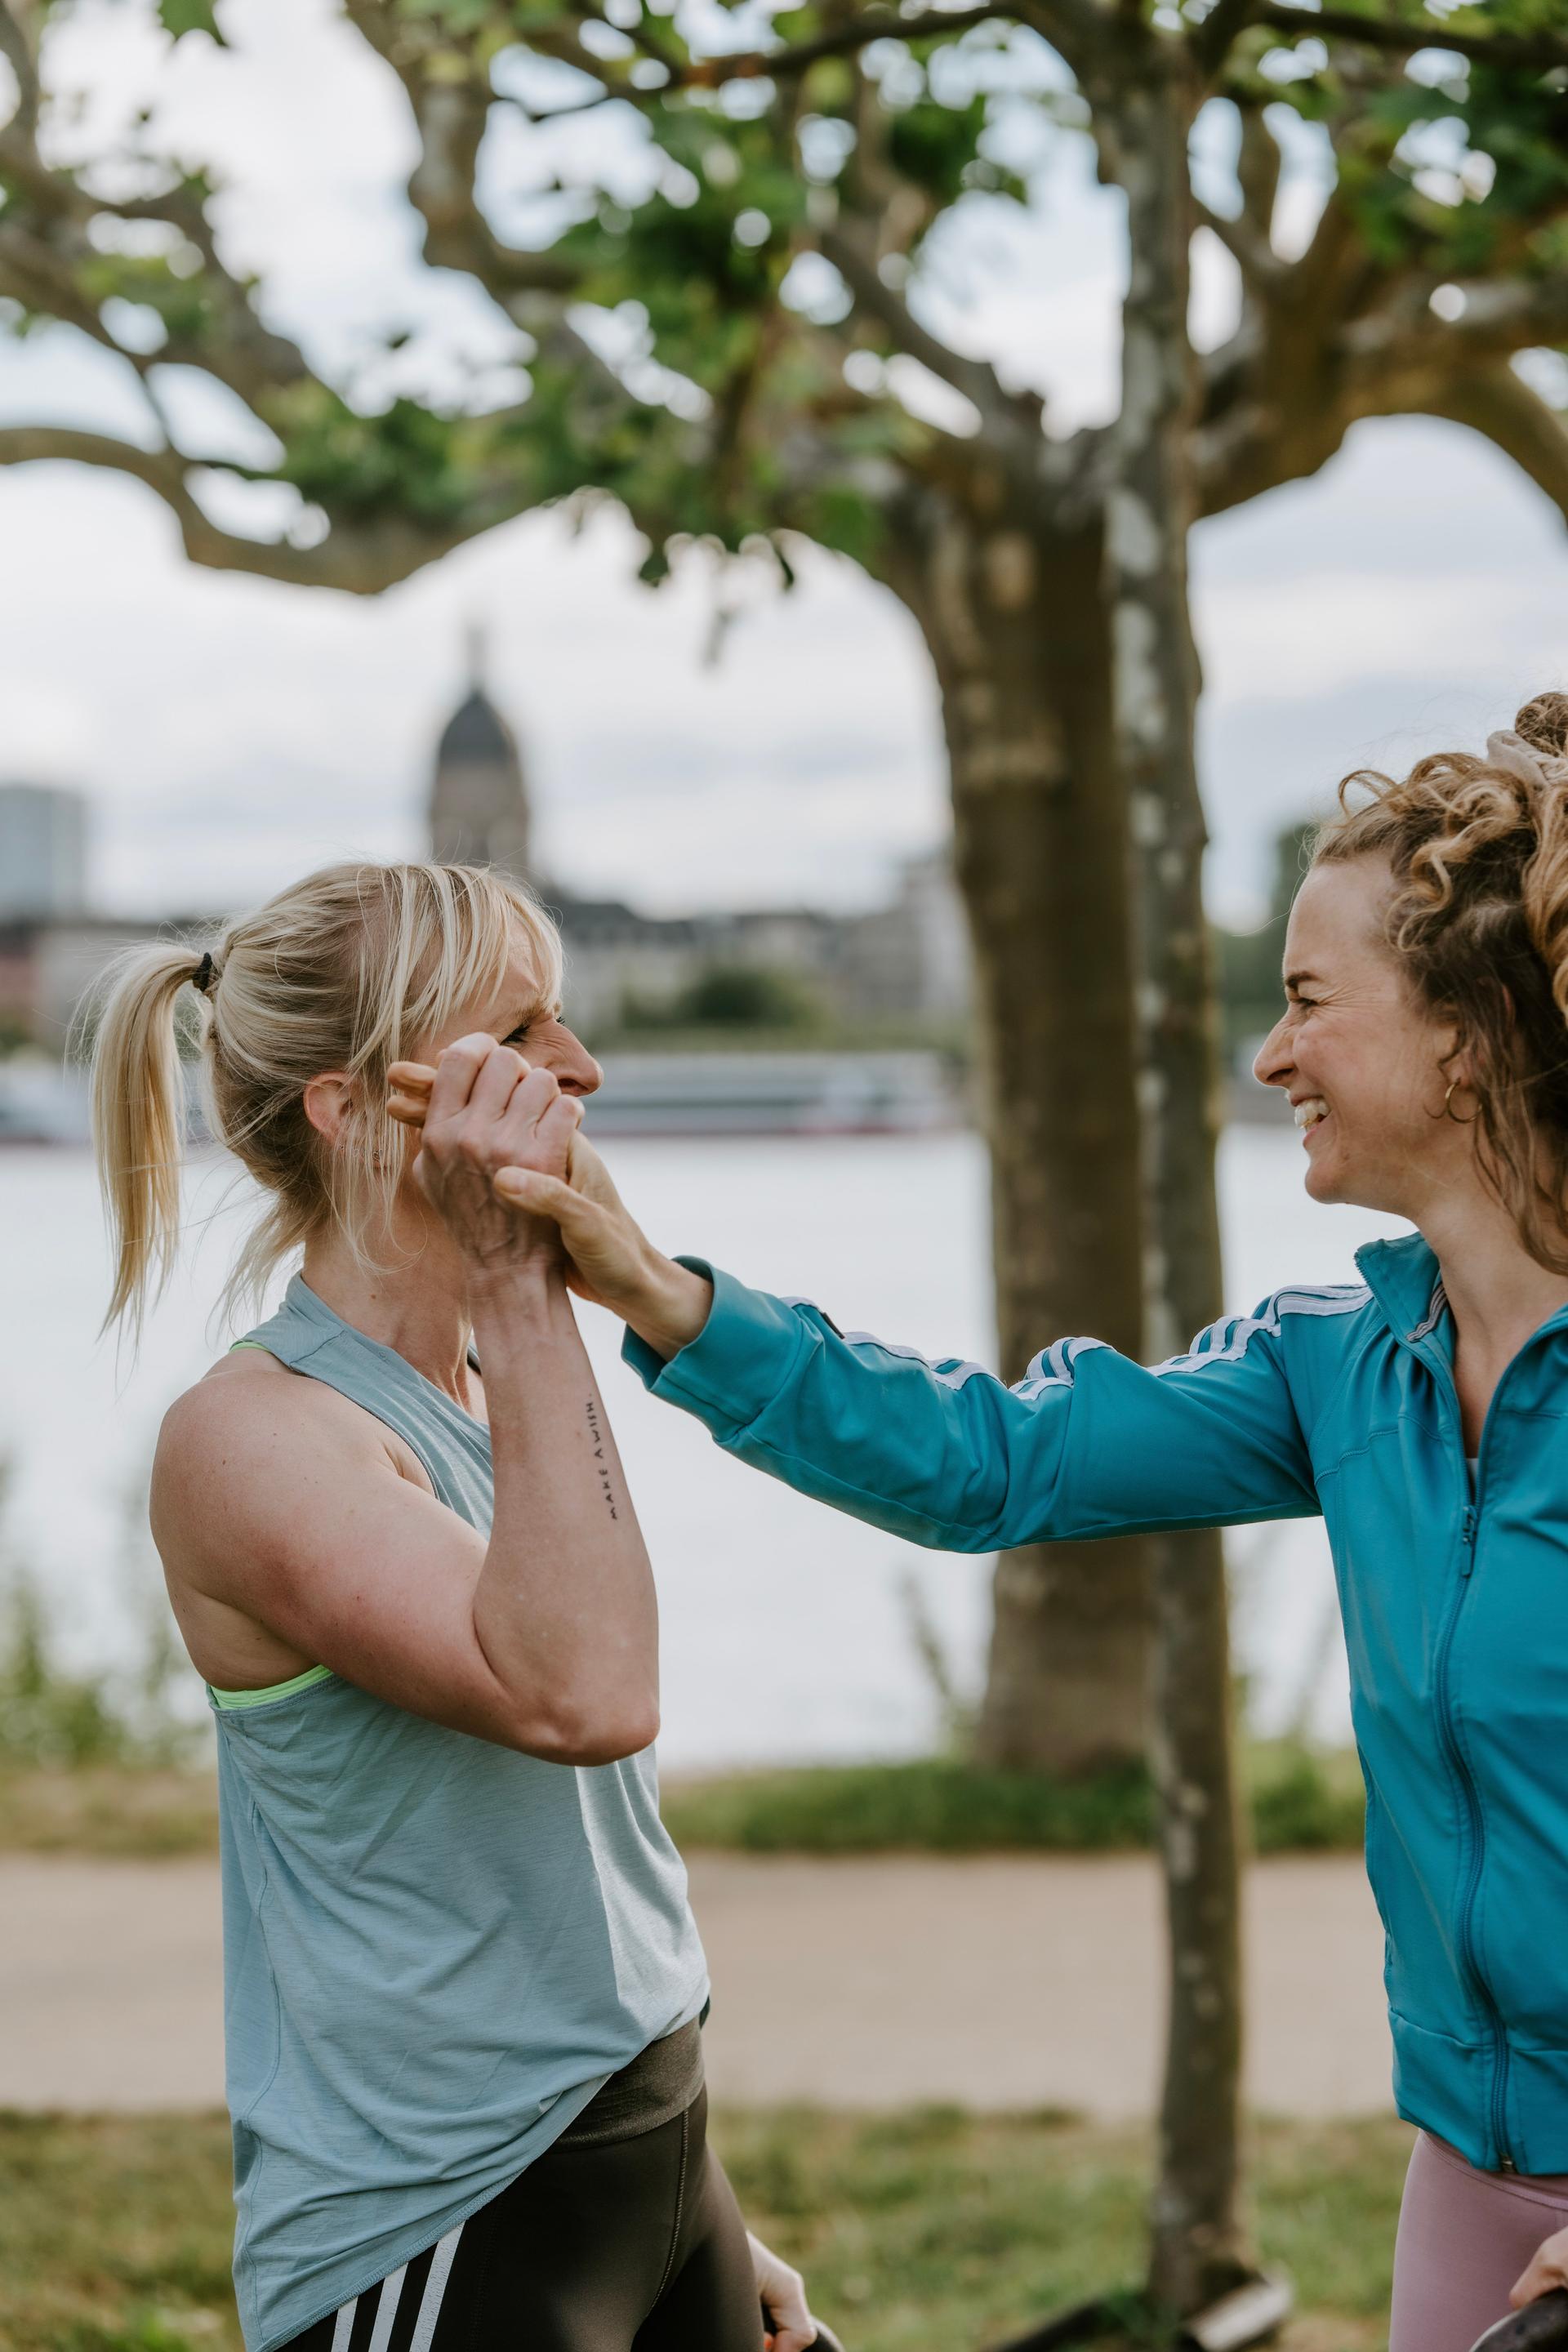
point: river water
(788, 1630)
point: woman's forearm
(943, 1452)
(564, 1609)
(667, 1304)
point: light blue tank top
(436, 1951)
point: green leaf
(179, 17)
(182, 18)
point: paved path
(993, 1982)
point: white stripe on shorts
(435, 2288)
(386, 2309)
(345, 2327)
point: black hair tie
(202, 977)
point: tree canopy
(732, 307)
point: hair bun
(1543, 724)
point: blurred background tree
(734, 996)
(742, 315)
(1247, 963)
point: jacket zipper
(1468, 1528)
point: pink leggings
(1464, 2238)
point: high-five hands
(610, 1261)
(486, 1110)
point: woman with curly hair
(1423, 1410)
(463, 1987)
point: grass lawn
(928, 2231)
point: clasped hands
(609, 1260)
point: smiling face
(1362, 1060)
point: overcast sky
(233, 733)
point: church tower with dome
(478, 801)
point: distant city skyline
(232, 732)
(896, 974)
(43, 851)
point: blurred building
(51, 948)
(911, 958)
(46, 967)
(43, 852)
(907, 961)
(478, 801)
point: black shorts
(630, 2245)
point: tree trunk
(1197, 2251)
(1015, 618)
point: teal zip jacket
(1338, 1400)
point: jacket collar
(1402, 1277)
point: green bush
(731, 997)
(1297, 1797)
(56, 1720)
(47, 1718)
(931, 1805)
(1306, 1800)
(52, 1718)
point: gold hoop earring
(1449, 1113)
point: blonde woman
(463, 1985)
(1423, 1410)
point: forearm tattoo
(596, 1440)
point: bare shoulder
(244, 1450)
(237, 1413)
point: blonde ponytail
(138, 1103)
(348, 970)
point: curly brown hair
(1478, 918)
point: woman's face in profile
(1362, 1061)
(523, 1017)
(524, 1014)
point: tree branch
(1248, 439)
(44, 241)
(1528, 429)
(658, 48)
(19, 53)
(975, 379)
(1214, 39)
(1259, 165)
(778, 65)
(1496, 320)
(361, 559)
(1539, 51)
(1255, 258)
(1076, 29)
(449, 115)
